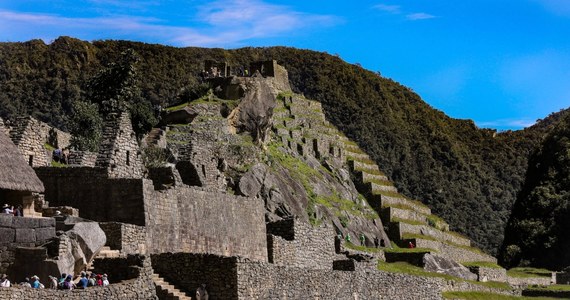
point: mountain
(537, 232)
(467, 175)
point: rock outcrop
(439, 264)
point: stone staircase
(167, 291)
(301, 125)
(155, 138)
(106, 252)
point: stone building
(18, 181)
(119, 152)
(32, 136)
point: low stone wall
(301, 245)
(453, 252)
(266, 281)
(518, 281)
(490, 274)
(140, 286)
(400, 228)
(82, 158)
(128, 238)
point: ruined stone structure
(31, 136)
(119, 152)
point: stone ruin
(191, 219)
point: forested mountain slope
(467, 175)
(537, 232)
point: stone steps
(389, 214)
(106, 252)
(165, 290)
(363, 166)
(376, 188)
(154, 136)
(453, 252)
(400, 201)
(399, 229)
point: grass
(407, 221)
(487, 296)
(485, 264)
(409, 236)
(49, 147)
(352, 246)
(380, 182)
(396, 249)
(398, 195)
(57, 164)
(528, 272)
(367, 161)
(369, 171)
(553, 287)
(407, 268)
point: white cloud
(224, 23)
(393, 9)
(419, 16)
(506, 123)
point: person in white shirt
(4, 282)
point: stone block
(43, 234)
(6, 220)
(25, 235)
(24, 222)
(7, 235)
(46, 222)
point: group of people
(65, 282)
(60, 156)
(10, 210)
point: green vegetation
(537, 232)
(552, 287)
(49, 147)
(528, 272)
(450, 164)
(487, 296)
(58, 164)
(485, 264)
(361, 248)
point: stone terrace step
(356, 155)
(166, 290)
(398, 229)
(395, 201)
(363, 166)
(454, 252)
(367, 177)
(376, 188)
(391, 213)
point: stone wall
(295, 243)
(490, 274)
(119, 151)
(30, 135)
(519, 281)
(188, 271)
(82, 158)
(140, 287)
(562, 278)
(193, 220)
(21, 232)
(128, 238)
(267, 281)
(98, 198)
(454, 252)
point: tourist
(68, 283)
(201, 293)
(82, 284)
(26, 283)
(105, 280)
(61, 282)
(52, 282)
(7, 210)
(36, 284)
(18, 211)
(362, 240)
(92, 281)
(411, 245)
(4, 282)
(99, 280)
(347, 237)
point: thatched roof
(15, 173)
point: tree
(86, 126)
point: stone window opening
(31, 160)
(203, 170)
(128, 158)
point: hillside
(451, 165)
(538, 228)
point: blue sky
(502, 63)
